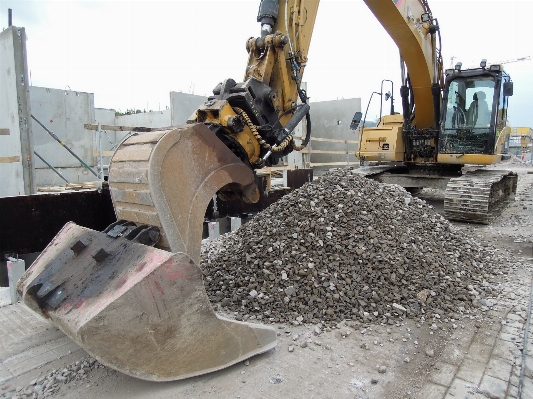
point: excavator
(449, 119)
(133, 296)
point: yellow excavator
(449, 119)
(132, 296)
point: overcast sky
(131, 54)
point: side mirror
(425, 17)
(356, 120)
(387, 96)
(508, 89)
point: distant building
(521, 142)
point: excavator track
(479, 196)
(141, 310)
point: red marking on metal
(51, 121)
(122, 281)
(9, 265)
(80, 303)
(140, 267)
(173, 272)
(66, 307)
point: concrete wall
(16, 144)
(64, 112)
(182, 105)
(331, 119)
(104, 116)
(145, 119)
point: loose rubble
(50, 384)
(345, 247)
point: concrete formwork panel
(182, 105)
(16, 145)
(145, 119)
(104, 116)
(15, 270)
(331, 120)
(64, 112)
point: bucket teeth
(101, 255)
(78, 247)
(147, 316)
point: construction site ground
(487, 353)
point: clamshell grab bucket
(142, 310)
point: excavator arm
(415, 32)
(132, 296)
(255, 118)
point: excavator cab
(474, 110)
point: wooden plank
(9, 159)
(331, 164)
(4, 132)
(104, 153)
(146, 138)
(311, 151)
(270, 169)
(90, 126)
(330, 140)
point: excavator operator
(478, 112)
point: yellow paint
(469, 159)
(9, 159)
(522, 131)
(388, 131)
(220, 113)
(296, 19)
(247, 140)
(501, 140)
(414, 42)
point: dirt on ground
(349, 360)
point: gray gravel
(50, 384)
(345, 247)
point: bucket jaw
(142, 310)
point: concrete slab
(5, 296)
(470, 372)
(443, 374)
(495, 386)
(464, 389)
(499, 368)
(431, 390)
(486, 338)
(479, 352)
(28, 343)
(505, 350)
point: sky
(131, 54)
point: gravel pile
(345, 247)
(513, 162)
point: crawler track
(479, 196)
